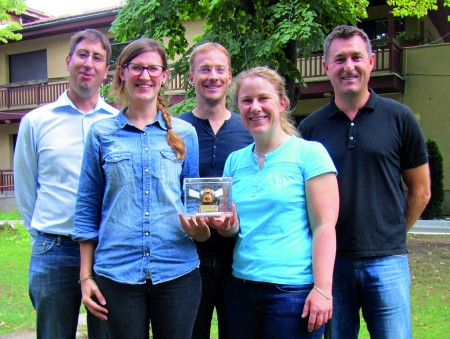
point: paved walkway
(441, 226)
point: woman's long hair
(130, 52)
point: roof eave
(68, 24)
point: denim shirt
(128, 198)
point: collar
(101, 105)
(123, 120)
(369, 106)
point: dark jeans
(256, 310)
(170, 306)
(54, 290)
(215, 275)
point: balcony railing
(31, 95)
(34, 95)
(6, 181)
(388, 59)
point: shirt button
(116, 159)
(147, 233)
(147, 254)
(146, 170)
(351, 138)
(146, 192)
(145, 133)
(145, 149)
(352, 124)
(146, 213)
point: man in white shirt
(47, 164)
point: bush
(434, 207)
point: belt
(60, 236)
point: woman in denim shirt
(137, 262)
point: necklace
(263, 155)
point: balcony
(17, 100)
(6, 181)
(386, 75)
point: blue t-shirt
(274, 243)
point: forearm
(86, 258)
(324, 253)
(415, 204)
(417, 181)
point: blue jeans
(215, 275)
(170, 306)
(380, 287)
(263, 310)
(54, 290)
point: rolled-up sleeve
(190, 167)
(91, 187)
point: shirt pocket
(118, 168)
(170, 167)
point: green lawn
(430, 277)
(16, 311)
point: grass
(16, 312)
(10, 216)
(430, 275)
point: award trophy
(207, 196)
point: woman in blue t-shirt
(286, 206)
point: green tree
(7, 28)
(436, 163)
(417, 8)
(256, 32)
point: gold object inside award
(207, 196)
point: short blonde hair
(208, 46)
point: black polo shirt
(370, 154)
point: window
(116, 49)
(376, 29)
(28, 66)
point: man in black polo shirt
(374, 142)
(219, 132)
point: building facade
(413, 68)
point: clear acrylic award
(207, 196)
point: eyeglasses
(208, 69)
(154, 71)
(84, 55)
